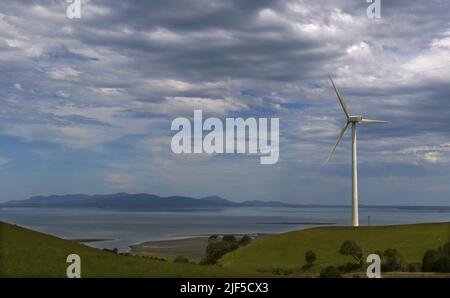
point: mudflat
(193, 247)
(190, 247)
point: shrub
(282, 271)
(152, 258)
(330, 272)
(213, 238)
(437, 260)
(246, 239)
(349, 267)
(351, 248)
(181, 259)
(310, 257)
(413, 267)
(442, 265)
(445, 249)
(393, 260)
(215, 250)
(114, 250)
(229, 238)
(428, 260)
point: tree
(246, 239)
(393, 260)
(437, 260)
(445, 249)
(330, 272)
(428, 259)
(441, 265)
(213, 238)
(310, 257)
(351, 248)
(229, 238)
(215, 250)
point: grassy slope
(288, 249)
(27, 253)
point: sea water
(123, 228)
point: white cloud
(180, 104)
(109, 91)
(431, 154)
(18, 87)
(63, 73)
(433, 157)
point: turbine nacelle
(360, 119)
(355, 119)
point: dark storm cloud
(255, 49)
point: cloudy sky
(87, 104)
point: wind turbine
(354, 121)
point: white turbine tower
(353, 120)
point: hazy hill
(144, 201)
(141, 201)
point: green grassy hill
(25, 253)
(288, 249)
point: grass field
(25, 253)
(288, 249)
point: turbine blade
(341, 100)
(370, 121)
(341, 133)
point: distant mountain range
(147, 202)
(141, 201)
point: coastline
(88, 240)
(193, 247)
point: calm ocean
(126, 228)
